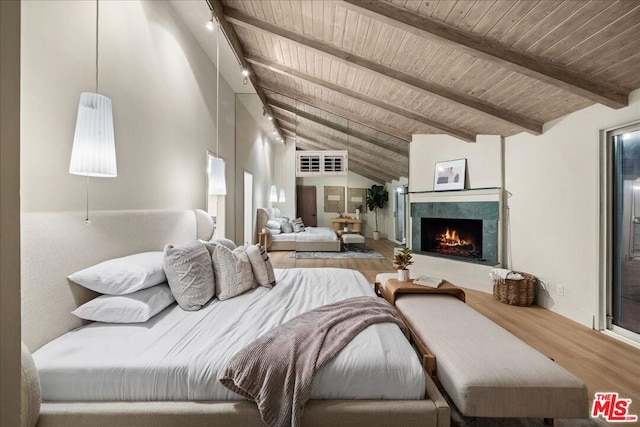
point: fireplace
(453, 237)
(462, 231)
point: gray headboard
(56, 244)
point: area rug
(357, 254)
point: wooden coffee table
(394, 287)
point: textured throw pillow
(298, 225)
(222, 241)
(261, 266)
(190, 274)
(136, 307)
(124, 275)
(287, 227)
(232, 269)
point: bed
(55, 244)
(320, 239)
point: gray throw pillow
(232, 270)
(287, 227)
(261, 266)
(190, 274)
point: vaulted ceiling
(365, 75)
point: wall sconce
(273, 195)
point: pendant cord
(217, 89)
(97, 36)
(86, 219)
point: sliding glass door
(624, 285)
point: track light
(210, 25)
(245, 76)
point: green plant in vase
(403, 260)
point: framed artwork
(356, 197)
(333, 198)
(450, 175)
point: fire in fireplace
(452, 237)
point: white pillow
(261, 266)
(124, 275)
(274, 231)
(232, 270)
(136, 307)
(273, 224)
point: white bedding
(310, 234)
(179, 355)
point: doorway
(400, 214)
(306, 204)
(248, 207)
(623, 287)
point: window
(311, 163)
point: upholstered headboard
(56, 244)
(262, 216)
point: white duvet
(310, 234)
(179, 355)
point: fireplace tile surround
(487, 211)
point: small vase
(357, 213)
(376, 235)
(403, 275)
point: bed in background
(57, 244)
(313, 239)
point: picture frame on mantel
(450, 175)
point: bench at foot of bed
(484, 369)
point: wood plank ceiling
(365, 75)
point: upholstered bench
(350, 239)
(485, 370)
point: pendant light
(217, 182)
(94, 152)
(273, 195)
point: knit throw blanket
(277, 369)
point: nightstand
(263, 240)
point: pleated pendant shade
(217, 183)
(273, 195)
(282, 198)
(94, 147)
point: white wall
(255, 154)
(285, 171)
(10, 213)
(351, 180)
(554, 208)
(162, 86)
(484, 170)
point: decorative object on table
(450, 175)
(358, 211)
(403, 260)
(512, 287)
(377, 197)
(431, 282)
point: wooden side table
(394, 287)
(263, 240)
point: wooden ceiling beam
(290, 72)
(441, 92)
(333, 109)
(229, 32)
(507, 57)
(353, 165)
(342, 129)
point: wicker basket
(516, 292)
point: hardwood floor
(603, 363)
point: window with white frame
(313, 163)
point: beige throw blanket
(277, 369)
